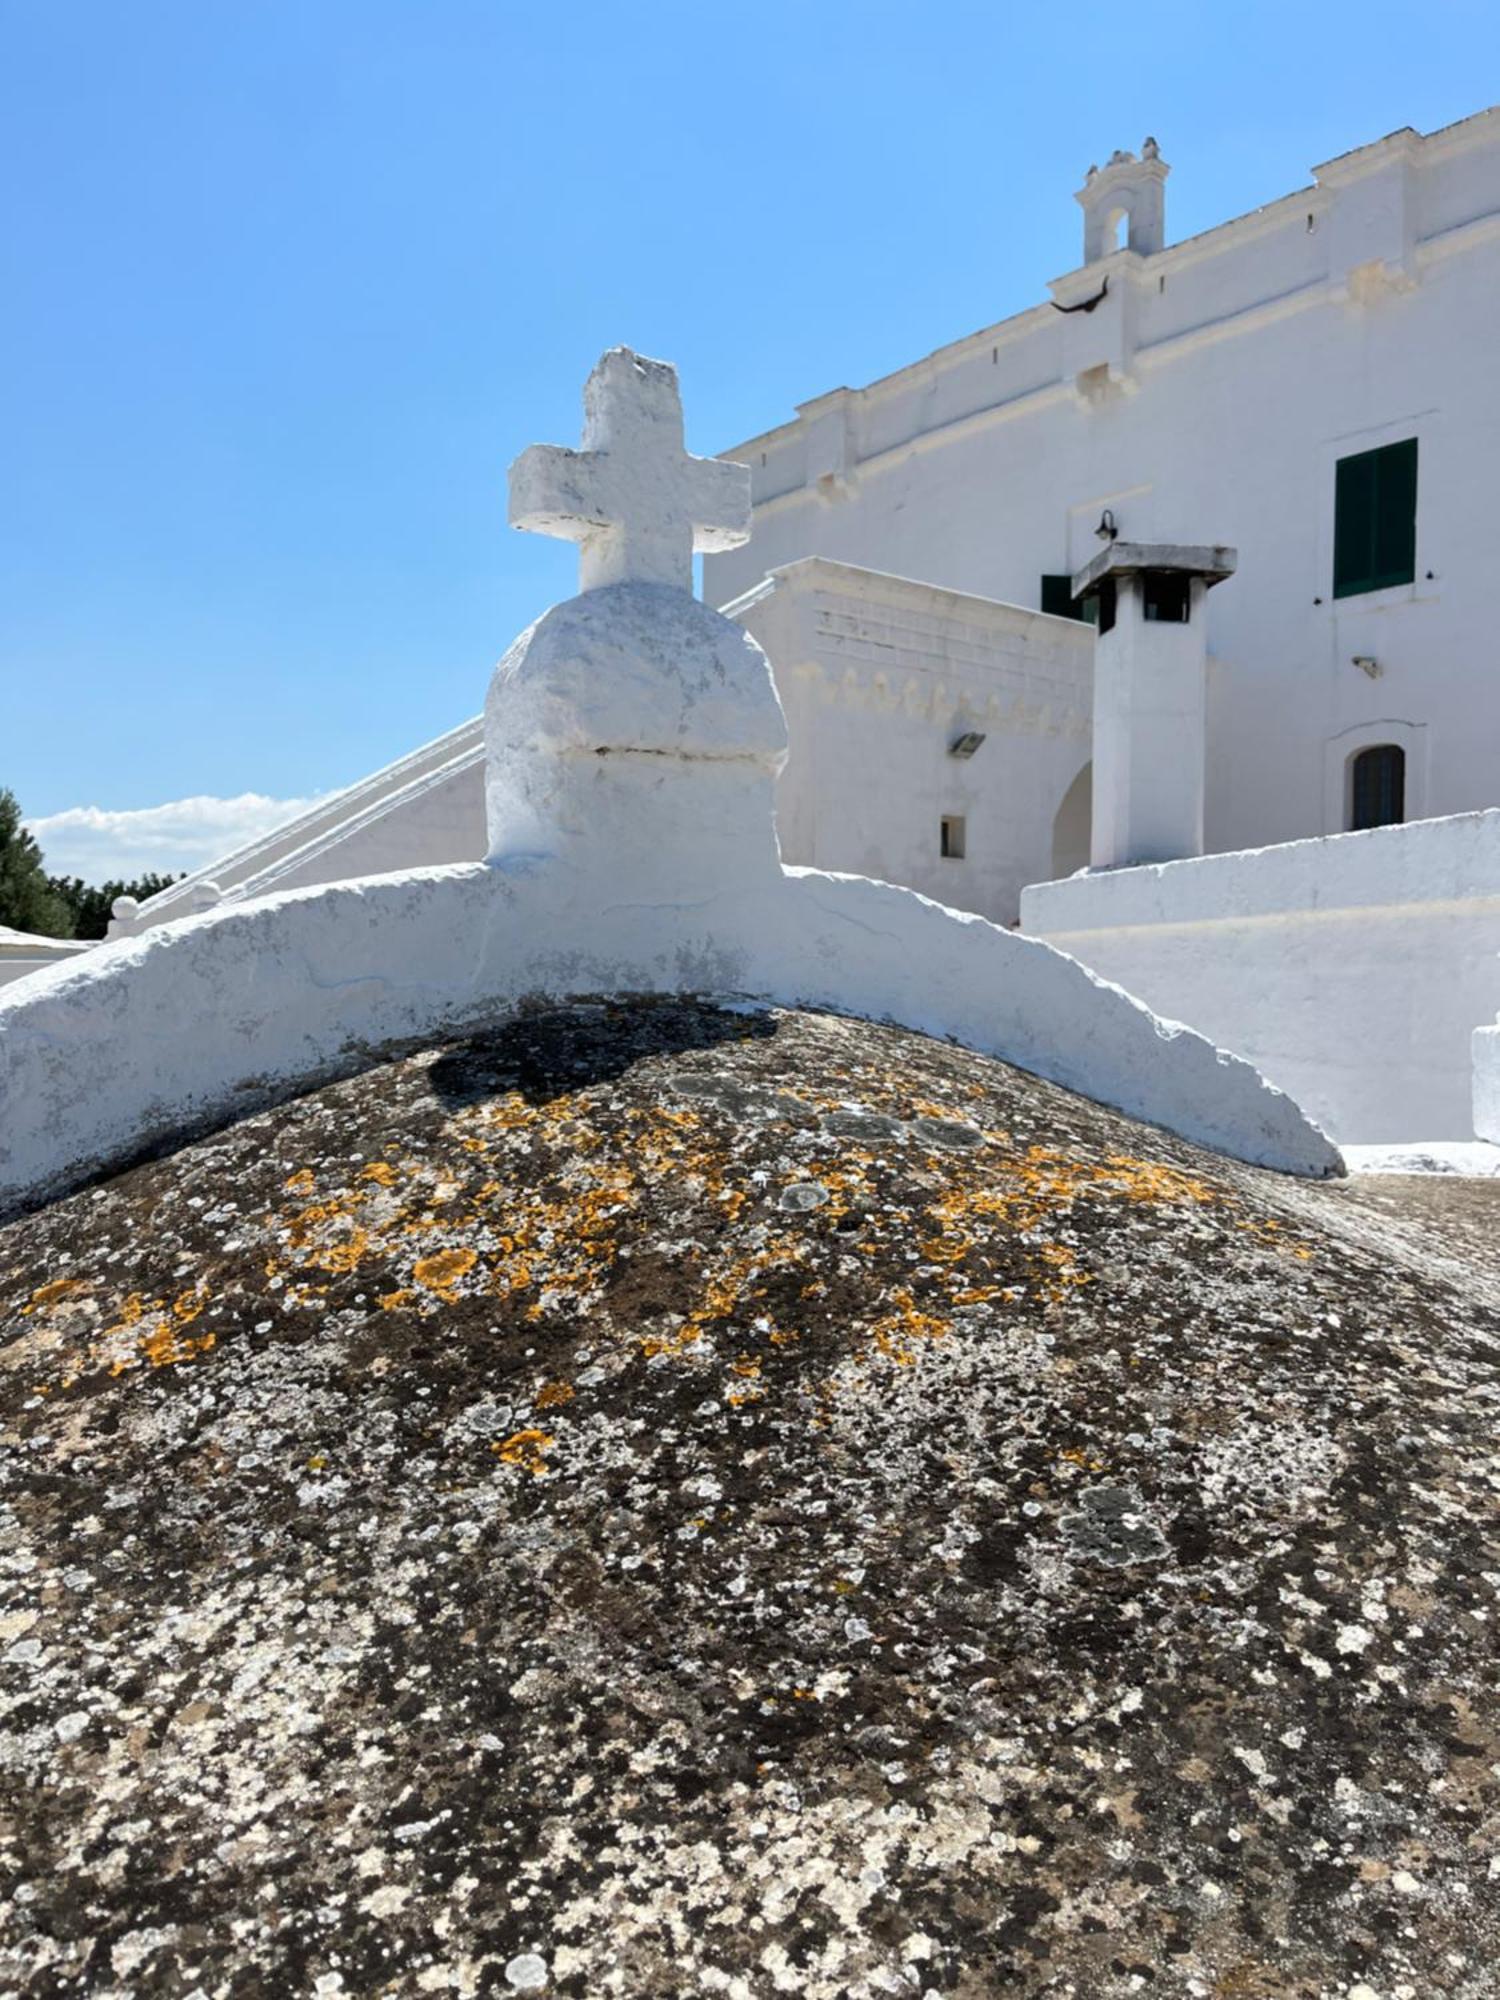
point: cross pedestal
(632, 733)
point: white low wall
(154, 1035)
(1352, 970)
(1486, 1050)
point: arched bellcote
(1129, 187)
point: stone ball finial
(205, 896)
(124, 917)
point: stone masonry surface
(661, 1500)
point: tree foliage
(29, 900)
(60, 906)
(91, 903)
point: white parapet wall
(1353, 970)
(1486, 1051)
(151, 1037)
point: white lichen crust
(668, 1501)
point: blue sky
(289, 282)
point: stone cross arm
(634, 499)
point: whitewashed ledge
(633, 738)
(152, 1037)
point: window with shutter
(1058, 599)
(1375, 519)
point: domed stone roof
(661, 1500)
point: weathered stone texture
(664, 1501)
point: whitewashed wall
(1486, 1049)
(1352, 970)
(1207, 398)
(878, 676)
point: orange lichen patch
(1076, 1455)
(379, 1171)
(300, 1182)
(53, 1294)
(528, 1449)
(441, 1271)
(745, 1364)
(342, 1256)
(552, 1393)
(394, 1301)
(1150, 1180)
(1269, 1231)
(148, 1330)
(897, 1334)
(510, 1113)
(307, 1222)
(166, 1346)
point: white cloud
(168, 840)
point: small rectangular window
(1058, 599)
(1166, 597)
(1375, 519)
(952, 837)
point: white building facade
(1312, 384)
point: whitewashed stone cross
(636, 502)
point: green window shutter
(1396, 514)
(1375, 519)
(1353, 524)
(1058, 599)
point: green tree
(28, 899)
(91, 902)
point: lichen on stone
(657, 1500)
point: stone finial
(124, 917)
(636, 502)
(205, 896)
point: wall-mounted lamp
(967, 744)
(1107, 530)
(1368, 664)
